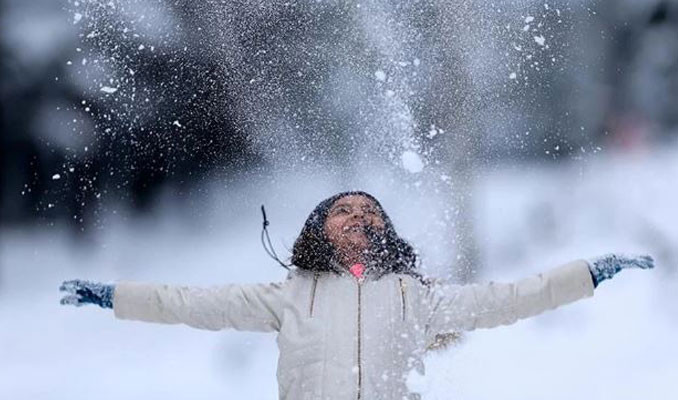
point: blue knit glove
(85, 292)
(605, 267)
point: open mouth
(354, 228)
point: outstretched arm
(255, 307)
(469, 307)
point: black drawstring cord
(269, 249)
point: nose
(359, 214)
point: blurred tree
(446, 111)
(197, 87)
(67, 147)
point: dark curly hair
(314, 252)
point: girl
(354, 315)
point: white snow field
(620, 344)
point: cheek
(378, 222)
(332, 229)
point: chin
(359, 246)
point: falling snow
(412, 162)
(108, 89)
(274, 80)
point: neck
(354, 257)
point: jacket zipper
(360, 372)
(402, 298)
(315, 284)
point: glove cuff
(107, 296)
(604, 267)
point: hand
(605, 267)
(86, 292)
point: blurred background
(138, 139)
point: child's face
(346, 220)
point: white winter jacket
(344, 339)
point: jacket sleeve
(255, 307)
(468, 307)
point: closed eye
(341, 210)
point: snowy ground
(618, 345)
